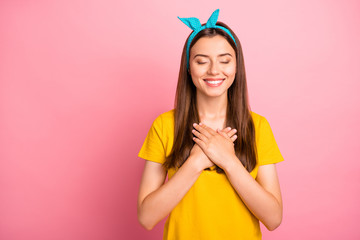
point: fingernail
(194, 124)
(228, 128)
(200, 124)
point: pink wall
(82, 81)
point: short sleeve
(268, 150)
(153, 147)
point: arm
(262, 196)
(156, 200)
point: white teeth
(214, 82)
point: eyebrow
(220, 55)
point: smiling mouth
(214, 82)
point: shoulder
(168, 116)
(157, 142)
(257, 118)
(267, 148)
(261, 124)
(165, 121)
(165, 117)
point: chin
(215, 94)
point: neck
(211, 108)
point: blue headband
(195, 25)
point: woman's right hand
(199, 157)
(200, 160)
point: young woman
(219, 156)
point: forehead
(212, 46)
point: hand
(200, 157)
(230, 132)
(217, 145)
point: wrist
(194, 165)
(233, 164)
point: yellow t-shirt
(211, 209)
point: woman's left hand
(217, 145)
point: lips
(214, 82)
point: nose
(213, 68)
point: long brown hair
(237, 114)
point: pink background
(82, 81)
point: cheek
(194, 77)
(230, 70)
(198, 72)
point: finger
(199, 142)
(203, 130)
(233, 138)
(232, 132)
(209, 129)
(199, 135)
(226, 130)
(223, 134)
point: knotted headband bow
(195, 25)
